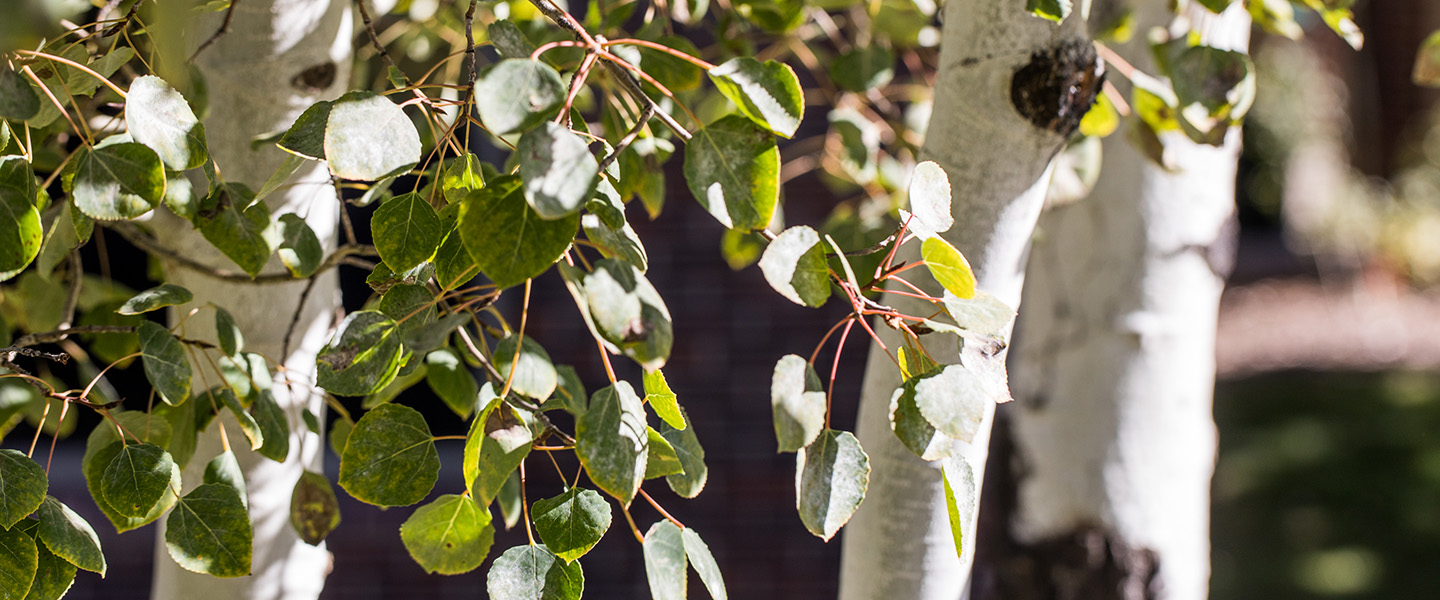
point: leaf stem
(662, 48)
(657, 506)
(72, 63)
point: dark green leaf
(390, 457)
(225, 469)
(19, 561)
(573, 522)
(692, 458)
(1214, 89)
(570, 393)
(274, 424)
(22, 486)
(518, 93)
(508, 240)
(559, 172)
(960, 499)
(449, 536)
(136, 479)
(498, 440)
(300, 250)
(451, 380)
(314, 510)
(704, 562)
(248, 426)
(209, 532)
(660, 458)
(628, 312)
(509, 41)
(368, 137)
(20, 229)
(1054, 10)
(407, 231)
(794, 264)
(156, 298)
(534, 573)
(733, 170)
(159, 117)
(798, 402)
(662, 399)
(118, 181)
(363, 356)
(832, 474)
(768, 93)
(534, 375)
(306, 136)
(622, 242)
(18, 101)
(70, 537)
(611, 441)
(410, 305)
(510, 501)
(232, 340)
(430, 336)
(948, 267)
(910, 426)
(454, 266)
(247, 236)
(166, 366)
(665, 561)
(864, 69)
(53, 577)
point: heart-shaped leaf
(449, 536)
(768, 93)
(157, 116)
(798, 402)
(390, 457)
(794, 264)
(733, 169)
(559, 172)
(369, 138)
(518, 93)
(831, 476)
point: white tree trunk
(254, 74)
(898, 546)
(1113, 367)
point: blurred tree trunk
(280, 57)
(1110, 445)
(997, 155)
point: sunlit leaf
(573, 522)
(949, 267)
(118, 181)
(665, 561)
(449, 536)
(960, 500)
(498, 440)
(704, 562)
(768, 93)
(611, 441)
(798, 401)
(794, 264)
(390, 457)
(362, 357)
(157, 116)
(368, 137)
(300, 250)
(831, 476)
(518, 93)
(559, 172)
(732, 167)
(534, 573)
(533, 373)
(167, 294)
(662, 399)
(209, 532)
(628, 312)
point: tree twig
(224, 28)
(153, 246)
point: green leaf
(300, 250)
(768, 93)
(498, 440)
(104, 445)
(948, 267)
(19, 562)
(451, 380)
(510, 501)
(225, 469)
(22, 486)
(984, 314)
(314, 509)
(911, 427)
(464, 175)
(390, 457)
(407, 231)
(559, 172)
(573, 522)
(166, 294)
(274, 424)
(611, 441)
(1102, 119)
(660, 457)
(136, 479)
(454, 266)
(508, 240)
(859, 144)
(794, 264)
(119, 181)
(692, 457)
(247, 236)
(534, 573)
(863, 68)
(362, 357)
(339, 434)
(209, 532)
(798, 401)
(622, 243)
(166, 366)
(410, 305)
(517, 94)
(18, 101)
(20, 229)
(306, 137)
(1214, 89)
(534, 375)
(660, 398)
(953, 400)
(247, 422)
(733, 169)
(368, 137)
(509, 41)
(53, 577)
(628, 312)
(930, 200)
(960, 500)
(665, 561)
(704, 562)
(570, 392)
(282, 173)
(449, 536)
(1054, 10)
(830, 480)
(70, 537)
(430, 336)
(1427, 62)
(157, 116)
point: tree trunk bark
(1113, 370)
(280, 57)
(1010, 88)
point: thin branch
(645, 115)
(374, 38)
(59, 357)
(470, 73)
(50, 337)
(77, 276)
(149, 244)
(224, 29)
(295, 318)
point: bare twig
(470, 46)
(224, 29)
(645, 114)
(295, 318)
(50, 337)
(77, 276)
(59, 357)
(374, 37)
